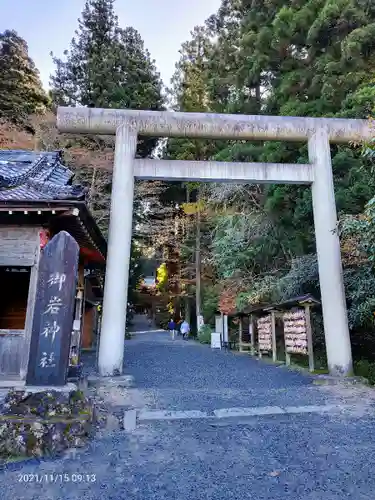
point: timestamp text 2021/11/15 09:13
(57, 478)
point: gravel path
(270, 457)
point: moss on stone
(43, 423)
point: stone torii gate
(128, 124)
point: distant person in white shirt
(185, 329)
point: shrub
(204, 334)
(162, 319)
(365, 368)
(210, 301)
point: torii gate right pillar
(335, 318)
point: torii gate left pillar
(115, 300)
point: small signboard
(219, 324)
(215, 340)
(54, 312)
(265, 333)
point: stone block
(330, 380)
(44, 423)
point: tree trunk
(187, 299)
(187, 309)
(198, 265)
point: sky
(49, 25)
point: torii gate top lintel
(210, 125)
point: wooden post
(259, 350)
(225, 331)
(30, 311)
(240, 327)
(95, 328)
(309, 337)
(274, 347)
(287, 356)
(78, 323)
(222, 330)
(251, 332)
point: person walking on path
(185, 329)
(172, 328)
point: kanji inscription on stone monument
(54, 311)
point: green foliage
(365, 368)
(302, 278)
(369, 229)
(204, 334)
(230, 244)
(87, 76)
(360, 290)
(263, 290)
(189, 89)
(362, 228)
(21, 91)
(369, 151)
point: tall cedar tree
(21, 91)
(189, 93)
(106, 66)
(311, 58)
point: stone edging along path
(134, 417)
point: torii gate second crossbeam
(128, 124)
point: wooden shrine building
(37, 201)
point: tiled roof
(28, 176)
